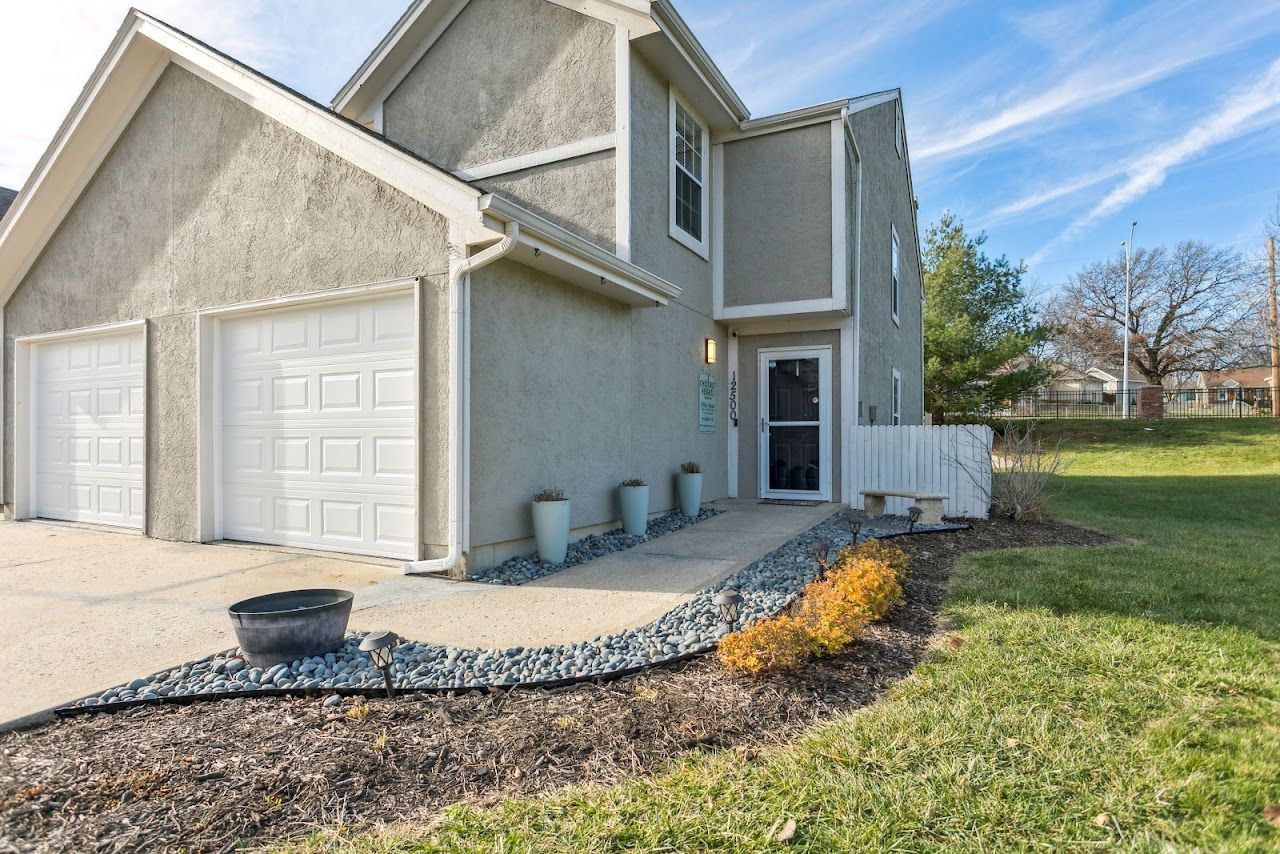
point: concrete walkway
(83, 609)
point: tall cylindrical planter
(635, 509)
(551, 529)
(689, 491)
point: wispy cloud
(1243, 111)
(52, 47)
(1095, 65)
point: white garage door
(90, 454)
(318, 443)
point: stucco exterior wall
(507, 77)
(572, 390)
(887, 203)
(206, 202)
(576, 194)
(513, 77)
(749, 347)
(652, 246)
(777, 215)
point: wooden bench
(930, 503)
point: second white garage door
(317, 436)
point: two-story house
(533, 243)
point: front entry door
(795, 423)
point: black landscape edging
(72, 710)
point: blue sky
(1049, 125)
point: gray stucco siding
(887, 204)
(652, 246)
(749, 347)
(572, 390)
(206, 202)
(777, 212)
(507, 77)
(576, 194)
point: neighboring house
(1242, 385)
(1112, 379)
(232, 313)
(6, 199)
(1070, 385)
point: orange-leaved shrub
(832, 612)
(768, 646)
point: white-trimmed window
(897, 398)
(895, 278)
(897, 129)
(688, 184)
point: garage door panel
(90, 453)
(318, 446)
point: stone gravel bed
(525, 568)
(767, 586)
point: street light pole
(1128, 295)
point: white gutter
(460, 270)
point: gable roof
(656, 26)
(144, 46)
(6, 199)
(1257, 377)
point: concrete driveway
(83, 609)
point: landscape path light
(913, 516)
(381, 647)
(729, 603)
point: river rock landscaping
(525, 568)
(767, 586)
(216, 776)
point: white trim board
(533, 159)
(622, 142)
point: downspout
(857, 286)
(3, 514)
(460, 270)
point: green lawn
(1124, 696)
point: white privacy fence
(954, 461)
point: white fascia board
(790, 120)
(875, 99)
(693, 53)
(597, 269)
(142, 50)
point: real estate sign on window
(706, 402)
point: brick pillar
(1150, 403)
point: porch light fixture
(729, 603)
(382, 649)
(913, 516)
(710, 350)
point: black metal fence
(1178, 403)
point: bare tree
(1188, 310)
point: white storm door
(795, 423)
(317, 443)
(90, 453)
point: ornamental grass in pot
(551, 525)
(689, 488)
(633, 498)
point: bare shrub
(1025, 469)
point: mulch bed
(212, 776)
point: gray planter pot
(634, 501)
(689, 491)
(280, 627)
(551, 529)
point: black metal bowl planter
(282, 627)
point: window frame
(701, 247)
(895, 275)
(895, 408)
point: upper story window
(688, 177)
(895, 288)
(897, 397)
(897, 130)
